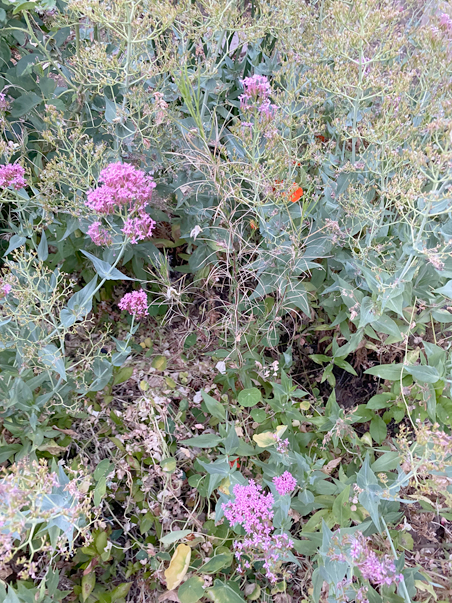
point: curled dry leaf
(328, 468)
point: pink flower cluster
(123, 186)
(5, 288)
(285, 483)
(282, 446)
(99, 235)
(252, 509)
(4, 104)
(379, 571)
(446, 22)
(135, 303)
(256, 92)
(12, 175)
(139, 228)
(254, 87)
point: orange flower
(236, 463)
(320, 137)
(297, 194)
(253, 225)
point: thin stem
(394, 552)
(77, 40)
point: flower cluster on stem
(252, 509)
(135, 303)
(12, 174)
(255, 97)
(125, 190)
(379, 570)
(285, 483)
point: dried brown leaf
(170, 595)
(331, 465)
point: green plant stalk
(394, 552)
(77, 40)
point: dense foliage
(226, 284)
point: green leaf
(217, 563)
(5, 52)
(380, 401)
(341, 507)
(191, 591)
(446, 290)
(43, 248)
(103, 371)
(168, 465)
(51, 357)
(222, 593)
(430, 401)
(160, 363)
(12, 597)
(99, 491)
(424, 374)
(8, 450)
(123, 375)
(15, 242)
(442, 316)
(249, 397)
(392, 372)
(121, 591)
(88, 584)
(110, 110)
(100, 542)
(25, 6)
(386, 325)
(190, 341)
(207, 440)
(298, 297)
(259, 415)
(79, 305)
(106, 270)
(24, 104)
(378, 429)
(344, 365)
(215, 408)
(102, 469)
(387, 461)
(175, 536)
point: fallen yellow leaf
(178, 566)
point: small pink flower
(135, 303)
(267, 109)
(379, 570)
(12, 175)
(256, 90)
(99, 236)
(139, 228)
(4, 104)
(5, 288)
(282, 446)
(445, 22)
(285, 483)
